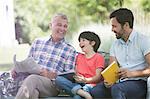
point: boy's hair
(91, 36)
(123, 15)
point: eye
(59, 24)
(84, 39)
(65, 26)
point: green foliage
(97, 10)
(35, 14)
(146, 5)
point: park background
(31, 19)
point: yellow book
(110, 73)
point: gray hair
(63, 16)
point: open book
(68, 72)
(110, 73)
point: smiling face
(86, 45)
(59, 26)
(117, 28)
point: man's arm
(146, 71)
(125, 73)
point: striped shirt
(59, 57)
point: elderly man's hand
(49, 74)
(13, 73)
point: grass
(7, 53)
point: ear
(126, 25)
(92, 43)
(50, 25)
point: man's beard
(119, 35)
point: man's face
(117, 28)
(59, 27)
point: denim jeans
(132, 89)
(86, 87)
(67, 85)
(148, 86)
(100, 91)
(70, 87)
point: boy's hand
(80, 78)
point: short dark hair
(123, 15)
(91, 36)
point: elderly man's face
(59, 27)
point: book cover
(110, 73)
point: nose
(63, 28)
(112, 29)
(80, 43)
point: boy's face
(85, 45)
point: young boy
(88, 67)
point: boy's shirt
(87, 66)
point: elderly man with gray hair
(54, 55)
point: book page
(70, 71)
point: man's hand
(124, 73)
(13, 73)
(49, 74)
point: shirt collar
(50, 40)
(130, 39)
(132, 35)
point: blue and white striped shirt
(59, 57)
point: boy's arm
(95, 79)
(111, 59)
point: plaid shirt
(59, 57)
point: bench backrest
(106, 56)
